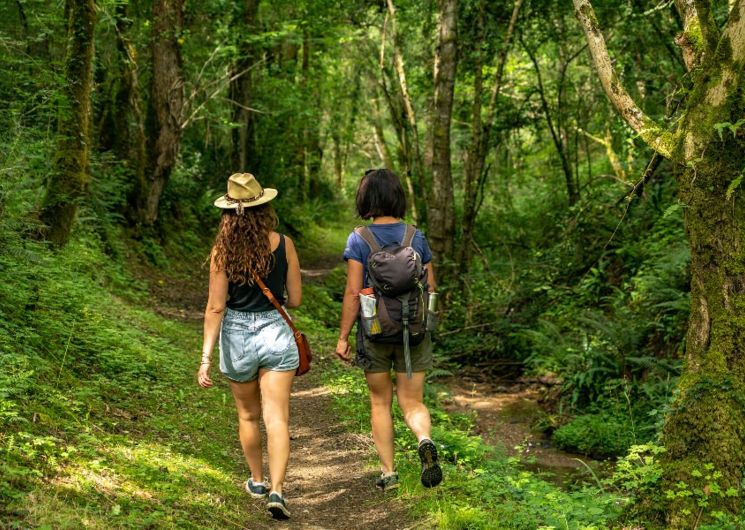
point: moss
(706, 431)
(695, 36)
(70, 180)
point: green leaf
(733, 186)
(719, 127)
(671, 210)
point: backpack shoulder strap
(408, 236)
(365, 233)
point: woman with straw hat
(258, 353)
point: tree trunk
(707, 423)
(338, 158)
(69, 182)
(706, 426)
(557, 134)
(312, 134)
(243, 152)
(441, 213)
(380, 141)
(166, 102)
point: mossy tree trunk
(411, 145)
(707, 423)
(706, 426)
(166, 107)
(69, 181)
(398, 120)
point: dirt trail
(330, 479)
(329, 482)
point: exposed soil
(330, 484)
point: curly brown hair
(242, 245)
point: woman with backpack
(258, 353)
(408, 351)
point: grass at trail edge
(101, 422)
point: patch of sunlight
(147, 471)
(338, 389)
(313, 392)
(462, 517)
(52, 509)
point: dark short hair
(380, 194)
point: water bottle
(369, 314)
(432, 319)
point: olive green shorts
(376, 357)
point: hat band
(230, 199)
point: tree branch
(501, 63)
(709, 29)
(688, 40)
(650, 131)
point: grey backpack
(399, 280)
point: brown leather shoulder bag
(303, 347)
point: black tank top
(250, 298)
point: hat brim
(269, 194)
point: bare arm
(294, 282)
(350, 307)
(431, 280)
(213, 314)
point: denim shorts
(249, 341)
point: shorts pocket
(232, 344)
(277, 338)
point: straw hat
(244, 191)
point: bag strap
(408, 236)
(366, 234)
(268, 293)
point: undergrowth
(101, 422)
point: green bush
(598, 435)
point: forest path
(331, 475)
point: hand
(203, 376)
(344, 351)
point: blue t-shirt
(386, 234)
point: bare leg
(410, 394)
(381, 397)
(275, 396)
(248, 404)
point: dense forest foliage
(577, 168)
